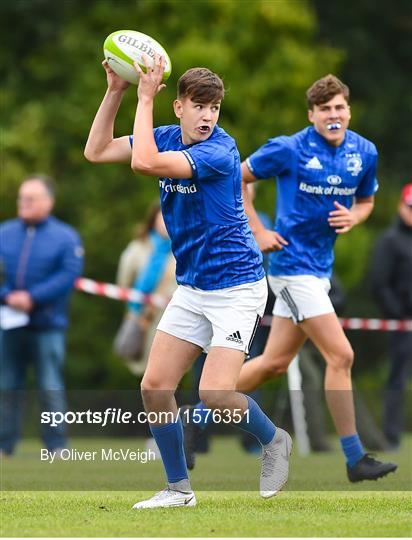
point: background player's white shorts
(220, 318)
(300, 297)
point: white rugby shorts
(300, 297)
(220, 318)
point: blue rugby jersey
(204, 216)
(311, 175)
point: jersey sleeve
(271, 159)
(369, 183)
(161, 134)
(210, 159)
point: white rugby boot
(275, 463)
(168, 498)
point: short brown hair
(325, 89)
(200, 85)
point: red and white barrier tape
(365, 324)
(119, 293)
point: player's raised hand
(114, 82)
(341, 219)
(268, 240)
(150, 82)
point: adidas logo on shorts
(236, 337)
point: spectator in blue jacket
(40, 258)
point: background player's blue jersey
(204, 216)
(311, 175)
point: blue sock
(257, 423)
(352, 448)
(169, 439)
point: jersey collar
(317, 137)
(184, 146)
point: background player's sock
(257, 423)
(169, 439)
(352, 448)
(203, 415)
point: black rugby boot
(369, 468)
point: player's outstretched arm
(344, 219)
(146, 157)
(101, 146)
(266, 239)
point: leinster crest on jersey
(354, 164)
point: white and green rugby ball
(124, 47)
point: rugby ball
(124, 47)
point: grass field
(95, 498)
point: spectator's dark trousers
(45, 350)
(400, 371)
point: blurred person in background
(41, 258)
(392, 287)
(147, 266)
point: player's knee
(151, 383)
(343, 359)
(274, 367)
(213, 399)
(348, 359)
